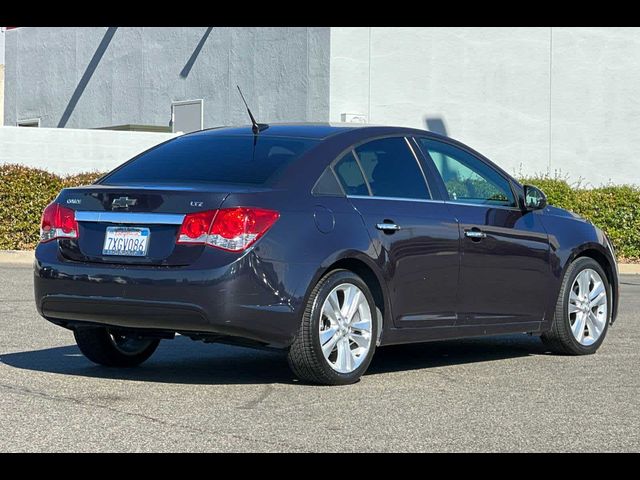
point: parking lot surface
(493, 394)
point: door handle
(387, 227)
(475, 234)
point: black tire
(559, 339)
(305, 355)
(99, 346)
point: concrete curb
(25, 257)
(629, 268)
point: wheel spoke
(583, 282)
(329, 312)
(600, 320)
(360, 300)
(573, 296)
(344, 360)
(351, 302)
(598, 290)
(573, 308)
(333, 301)
(592, 326)
(328, 334)
(362, 340)
(578, 327)
(601, 299)
(362, 325)
(350, 359)
(328, 347)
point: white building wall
(595, 115)
(2, 30)
(65, 150)
(534, 100)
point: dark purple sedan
(325, 240)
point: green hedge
(24, 192)
(615, 209)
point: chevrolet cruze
(325, 240)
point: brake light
(58, 222)
(232, 229)
(196, 226)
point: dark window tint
(391, 169)
(327, 184)
(205, 158)
(350, 175)
(467, 178)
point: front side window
(466, 178)
(391, 169)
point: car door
(415, 236)
(504, 266)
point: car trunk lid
(133, 212)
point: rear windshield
(212, 159)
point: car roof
(318, 131)
(343, 133)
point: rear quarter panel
(312, 233)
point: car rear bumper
(249, 298)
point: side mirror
(534, 198)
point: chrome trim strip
(501, 207)
(396, 198)
(130, 217)
(485, 205)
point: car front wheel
(583, 310)
(337, 338)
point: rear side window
(327, 185)
(350, 175)
(391, 169)
(203, 158)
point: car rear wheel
(583, 310)
(337, 337)
(113, 349)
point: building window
(30, 122)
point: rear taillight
(196, 226)
(233, 229)
(58, 222)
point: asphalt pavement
(492, 394)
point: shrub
(615, 209)
(24, 193)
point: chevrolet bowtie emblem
(123, 202)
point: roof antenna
(256, 127)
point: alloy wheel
(587, 307)
(345, 328)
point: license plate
(126, 241)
